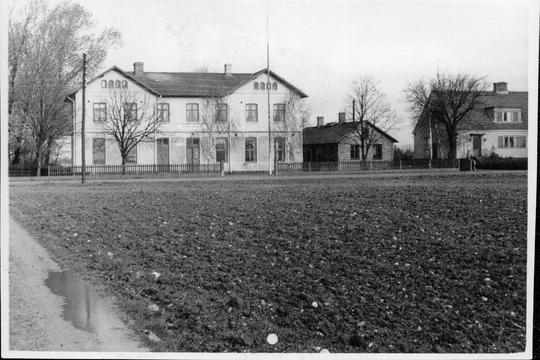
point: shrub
(498, 163)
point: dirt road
(35, 318)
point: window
(274, 86)
(103, 83)
(221, 112)
(355, 152)
(377, 151)
(117, 84)
(279, 112)
(130, 111)
(192, 112)
(98, 151)
(221, 150)
(507, 115)
(162, 110)
(268, 86)
(100, 112)
(512, 142)
(251, 150)
(132, 156)
(261, 86)
(256, 85)
(111, 84)
(279, 148)
(251, 112)
(124, 84)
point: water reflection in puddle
(83, 306)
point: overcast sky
(322, 46)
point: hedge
(502, 164)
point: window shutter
(500, 142)
(522, 142)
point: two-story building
(204, 118)
(497, 124)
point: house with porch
(339, 141)
(204, 118)
(497, 125)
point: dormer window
(103, 83)
(507, 115)
(256, 85)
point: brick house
(179, 99)
(340, 142)
(497, 125)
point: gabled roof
(193, 84)
(333, 133)
(481, 117)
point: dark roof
(193, 84)
(333, 133)
(481, 117)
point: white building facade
(204, 118)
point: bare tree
(129, 118)
(217, 124)
(445, 99)
(45, 66)
(296, 118)
(372, 112)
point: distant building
(498, 125)
(179, 98)
(340, 142)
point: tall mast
(268, 94)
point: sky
(323, 46)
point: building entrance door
(477, 145)
(193, 152)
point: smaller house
(341, 142)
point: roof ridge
(185, 72)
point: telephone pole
(83, 159)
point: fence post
(309, 166)
(222, 167)
(275, 167)
(400, 165)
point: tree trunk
(17, 154)
(452, 154)
(124, 158)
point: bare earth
(35, 313)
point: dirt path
(35, 313)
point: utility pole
(353, 110)
(83, 167)
(268, 93)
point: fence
(136, 169)
(351, 166)
(25, 170)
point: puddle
(83, 306)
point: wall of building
(344, 150)
(177, 130)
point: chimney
(138, 68)
(320, 121)
(500, 88)
(228, 69)
(341, 117)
